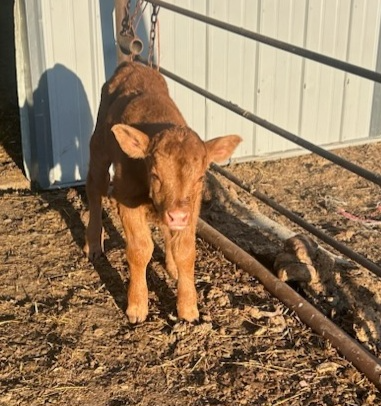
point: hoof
(188, 313)
(137, 314)
(92, 252)
(94, 247)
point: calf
(159, 165)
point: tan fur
(159, 165)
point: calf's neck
(159, 167)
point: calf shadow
(66, 204)
(70, 205)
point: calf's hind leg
(170, 264)
(97, 183)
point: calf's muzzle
(177, 220)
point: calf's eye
(154, 177)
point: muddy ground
(65, 340)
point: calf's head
(176, 161)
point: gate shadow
(343, 311)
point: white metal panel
(327, 33)
(183, 51)
(24, 90)
(319, 103)
(33, 100)
(280, 73)
(231, 69)
(362, 50)
(61, 69)
(74, 75)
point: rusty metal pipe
(362, 359)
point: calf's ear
(220, 149)
(132, 141)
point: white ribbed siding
(183, 51)
(68, 51)
(321, 104)
(74, 66)
(61, 68)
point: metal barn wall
(65, 49)
(61, 67)
(324, 105)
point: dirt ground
(65, 340)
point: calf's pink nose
(177, 219)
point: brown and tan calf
(159, 166)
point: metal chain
(126, 22)
(138, 9)
(154, 15)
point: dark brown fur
(159, 164)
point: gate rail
(305, 53)
(335, 63)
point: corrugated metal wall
(74, 69)
(61, 68)
(319, 103)
(65, 50)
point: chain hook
(129, 42)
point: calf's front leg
(139, 249)
(184, 255)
